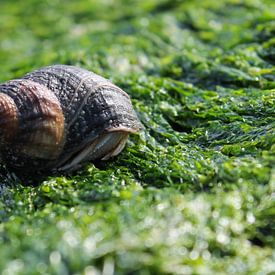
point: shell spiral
(59, 117)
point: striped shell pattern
(58, 117)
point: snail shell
(59, 117)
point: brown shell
(8, 118)
(59, 114)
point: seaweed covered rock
(193, 192)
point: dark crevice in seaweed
(179, 127)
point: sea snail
(58, 117)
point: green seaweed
(193, 192)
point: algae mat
(192, 193)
